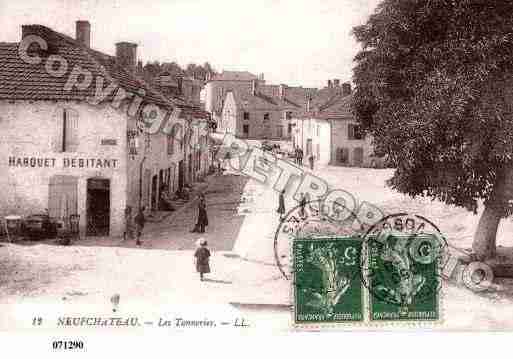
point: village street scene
(121, 193)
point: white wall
(29, 129)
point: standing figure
(202, 215)
(300, 156)
(281, 204)
(302, 205)
(202, 258)
(129, 228)
(311, 159)
(140, 221)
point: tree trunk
(484, 245)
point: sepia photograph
(277, 166)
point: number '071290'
(67, 344)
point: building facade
(328, 130)
(70, 146)
(244, 105)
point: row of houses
(63, 153)
(319, 121)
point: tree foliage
(152, 69)
(434, 88)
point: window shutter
(71, 130)
(59, 130)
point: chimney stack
(83, 33)
(254, 86)
(336, 82)
(126, 55)
(346, 88)
(330, 85)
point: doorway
(358, 156)
(181, 175)
(154, 194)
(98, 207)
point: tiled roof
(22, 81)
(259, 101)
(331, 105)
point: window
(246, 115)
(354, 132)
(318, 130)
(288, 115)
(266, 116)
(245, 130)
(280, 131)
(69, 136)
(289, 129)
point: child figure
(202, 258)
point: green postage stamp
(393, 276)
(402, 277)
(327, 285)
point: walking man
(140, 221)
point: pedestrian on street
(296, 155)
(311, 159)
(300, 156)
(140, 221)
(281, 204)
(129, 226)
(202, 215)
(202, 258)
(302, 205)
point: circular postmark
(402, 260)
(311, 220)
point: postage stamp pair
(388, 275)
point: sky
(296, 42)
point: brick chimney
(336, 82)
(330, 84)
(126, 55)
(346, 88)
(83, 32)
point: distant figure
(140, 221)
(202, 215)
(129, 230)
(281, 204)
(300, 156)
(311, 159)
(202, 258)
(302, 205)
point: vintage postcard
(255, 166)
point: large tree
(434, 87)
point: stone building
(243, 104)
(71, 138)
(328, 130)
